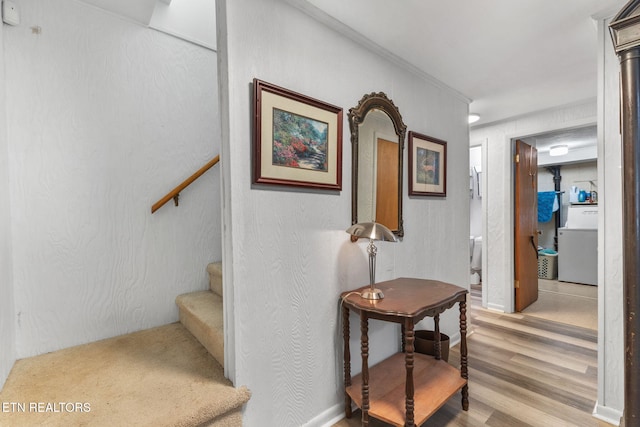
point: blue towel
(545, 205)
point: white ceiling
(509, 57)
(578, 138)
(582, 143)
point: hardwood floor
(523, 371)
(564, 302)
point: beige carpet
(570, 303)
(156, 377)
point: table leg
(436, 337)
(364, 350)
(347, 361)
(464, 372)
(408, 360)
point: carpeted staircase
(201, 313)
(157, 377)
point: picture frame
(427, 165)
(297, 139)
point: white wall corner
(7, 304)
(609, 415)
(496, 307)
(225, 197)
(610, 250)
(193, 21)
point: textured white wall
(106, 117)
(498, 240)
(610, 240)
(7, 317)
(286, 250)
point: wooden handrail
(175, 193)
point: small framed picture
(427, 166)
(297, 139)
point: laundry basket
(547, 266)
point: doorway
(571, 304)
(477, 218)
(564, 296)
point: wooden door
(526, 226)
(387, 184)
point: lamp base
(372, 293)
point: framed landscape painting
(297, 139)
(427, 166)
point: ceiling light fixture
(473, 117)
(558, 150)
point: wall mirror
(377, 140)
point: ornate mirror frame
(376, 101)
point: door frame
(484, 146)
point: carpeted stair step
(156, 377)
(215, 277)
(201, 314)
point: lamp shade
(372, 231)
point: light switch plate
(10, 13)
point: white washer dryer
(578, 246)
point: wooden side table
(407, 388)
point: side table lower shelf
(435, 382)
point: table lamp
(372, 231)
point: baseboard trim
(328, 417)
(454, 339)
(609, 415)
(496, 307)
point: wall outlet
(10, 13)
